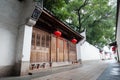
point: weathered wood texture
(49, 48)
(40, 49)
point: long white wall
(89, 52)
(7, 44)
(10, 11)
(118, 33)
(9, 15)
(15, 35)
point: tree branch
(84, 4)
(78, 11)
(99, 20)
(86, 17)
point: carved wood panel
(53, 49)
(72, 52)
(65, 50)
(40, 48)
(60, 50)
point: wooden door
(72, 52)
(65, 50)
(40, 48)
(53, 49)
(33, 47)
(60, 50)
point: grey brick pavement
(87, 71)
(111, 73)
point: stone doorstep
(89, 61)
(35, 71)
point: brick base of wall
(24, 68)
(6, 71)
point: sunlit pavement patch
(111, 73)
(114, 73)
(115, 70)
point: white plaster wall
(24, 43)
(78, 45)
(27, 43)
(7, 45)
(15, 36)
(25, 32)
(78, 51)
(9, 20)
(118, 33)
(89, 52)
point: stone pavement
(111, 73)
(87, 71)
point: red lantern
(113, 48)
(58, 33)
(74, 41)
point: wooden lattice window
(47, 41)
(43, 41)
(40, 46)
(33, 39)
(38, 40)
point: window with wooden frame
(41, 42)
(33, 40)
(38, 39)
(47, 41)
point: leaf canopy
(96, 16)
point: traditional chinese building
(33, 38)
(48, 47)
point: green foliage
(96, 16)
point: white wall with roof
(118, 33)
(89, 52)
(86, 51)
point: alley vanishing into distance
(60, 39)
(90, 70)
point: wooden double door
(59, 49)
(49, 48)
(62, 50)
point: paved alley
(87, 71)
(111, 73)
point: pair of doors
(48, 48)
(59, 49)
(62, 50)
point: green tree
(96, 16)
